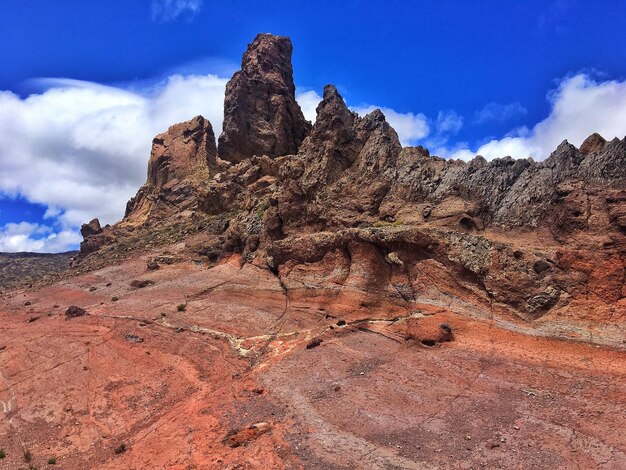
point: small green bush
(114, 299)
(52, 461)
(262, 208)
(181, 307)
(380, 224)
(3, 454)
(163, 314)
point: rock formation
(349, 198)
(411, 310)
(261, 114)
(181, 159)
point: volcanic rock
(592, 144)
(261, 114)
(348, 215)
(74, 312)
(181, 158)
(92, 228)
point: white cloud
(25, 236)
(168, 10)
(82, 149)
(580, 106)
(499, 112)
(308, 101)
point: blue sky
(85, 84)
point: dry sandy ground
(230, 383)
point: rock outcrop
(261, 114)
(182, 158)
(592, 144)
(376, 228)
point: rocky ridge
(519, 238)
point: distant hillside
(17, 269)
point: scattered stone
(153, 265)
(133, 338)
(140, 284)
(543, 301)
(314, 343)
(93, 289)
(73, 312)
(241, 437)
(540, 266)
(27, 303)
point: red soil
(229, 382)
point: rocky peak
(261, 114)
(592, 144)
(340, 140)
(564, 160)
(184, 149)
(181, 159)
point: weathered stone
(592, 144)
(261, 114)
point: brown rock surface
(261, 114)
(592, 144)
(180, 159)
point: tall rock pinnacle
(181, 158)
(261, 114)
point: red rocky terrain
(318, 296)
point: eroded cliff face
(342, 212)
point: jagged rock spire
(261, 114)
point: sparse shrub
(262, 208)
(3, 454)
(114, 298)
(163, 314)
(120, 449)
(181, 307)
(380, 224)
(27, 455)
(52, 461)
